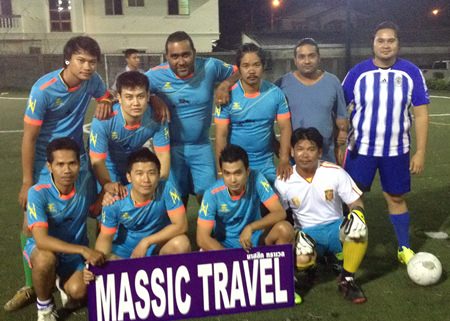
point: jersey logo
(236, 106)
(32, 104)
(167, 85)
(166, 133)
(226, 65)
(126, 216)
(398, 81)
(296, 201)
(204, 209)
(103, 216)
(329, 195)
(175, 197)
(93, 138)
(224, 208)
(114, 135)
(266, 185)
(58, 102)
(32, 211)
(51, 208)
(218, 110)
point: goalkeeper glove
(304, 244)
(354, 225)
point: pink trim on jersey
(271, 199)
(182, 78)
(48, 83)
(162, 149)
(286, 115)
(67, 196)
(218, 189)
(206, 223)
(160, 67)
(38, 224)
(72, 89)
(108, 230)
(235, 69)
(180, 210)
(221, 121)
(136, 204)
(254, 95)
(132, 127)
(237, 197)
(234, 86)
(97, 155)
(105, 96)
(37, 188)
(27, 258)
(31, 121)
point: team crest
(51, 208)
(126, 216)
(167, 85)
(114, 136)
(398, 81)
(224, 208)
(329, 194)
(58, 102)
(295, 201)
(236, 106)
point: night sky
(237, 16)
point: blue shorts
(66, 264)
(265, 167)
(233, 243)
(123, 251)
(192, 168)
(394, 172)
(326, 237)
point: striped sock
(44, 304)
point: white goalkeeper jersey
(319, 201)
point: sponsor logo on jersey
(167, 85)
(236, 106)
(175, 196)
(266, 185)
(204, 209)
(295, 201)
(32, 104)
(32, 210)
(224, 208)
(58, 102)
(126, 216)
(93, 138)
(329, 194)
(114, 135)
(51, 208)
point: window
(113, 7)
(178, 7)
(60, 15)
(135, 3)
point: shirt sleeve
(161, 139)
(98, 139)
(223, 69)
(98, 87)
(172, 200)
(340, 105)
(347, 189)
(264, 190)
(109, 218)
(280, 190)
(36, 206)
(282, 105)
(348, 85)
(37, 105)
(222, 114)
(420, 94)
(208, 208)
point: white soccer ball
(424, 269)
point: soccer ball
(424, 269)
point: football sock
(401, 228)
(44, 304)
(26, 267)
(353, 255)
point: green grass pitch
(391, 295)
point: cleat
(23, 297)
(297, 298)
(48, 314)
(351, 291)
(405, 254)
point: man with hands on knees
(314, 193)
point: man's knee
(75, 288)
(177, 245)
(282, 233)
(43, 261)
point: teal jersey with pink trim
(60, 110)
(114, 141)
(231, 214)
(65, 216)
(131, 221)
(251, 119)
(190, 99)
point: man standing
(56, 108)
(131, 125)
(315, 192)
(133, 61)
(186, 83)
(57, 211)
(381, 91)
(315, 98)
(248, 119)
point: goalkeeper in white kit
(315, 193)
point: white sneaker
(48, 314)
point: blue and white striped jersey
(381, 119)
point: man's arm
(178, 226)
(421, 127)
(164, 159)
(222, 93)
(104, 108)
(162, 112)
(104, 242)
(284, 169)
(204, 239)
(222, 129)
(102, 175)
(49, 243)
(30, 135)
(341, 139)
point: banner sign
(192, 285)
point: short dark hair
(178, 36)
(81, 43)
(63, 143)
(387, 25)
(310, 133)
(250, 47)
(128, 52)
(143, 155)
(306, 41)
(233, 153)
(131, 79)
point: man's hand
(116, 189)
(246, 238)
(93, 257)
(140, 250)
(284, 169)
(222, 93)
(88, 276)
(103, 110)
(417, 163)
(23, 195)
(354, 225)
(109, 199)
(304, 244)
